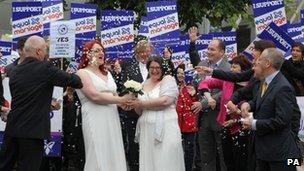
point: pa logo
(48, 146)
(293, 162)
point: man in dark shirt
(31, 85)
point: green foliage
(190, 11)
(290, 8)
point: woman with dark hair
(234, 139)
(100, 120)
(293, 68)
(157, 128)
(168, 64)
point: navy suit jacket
(274, 140)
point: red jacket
(186, 118)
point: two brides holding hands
(157, 129)
(100, 120)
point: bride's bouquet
(132, 87)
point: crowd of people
(230, 115)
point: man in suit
(31, 85)
(272, 114)
(210, 153)
(133, 69)
(251, 90)
(209, 135)
(246, 92)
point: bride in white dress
(157, 129)
(103, 142)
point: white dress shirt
(143, 70)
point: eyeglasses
(154, 68)
(96, 50)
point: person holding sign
(28, 124)
(101, 127)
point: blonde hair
(142, 45)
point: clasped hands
(130, 102)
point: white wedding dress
(158, 133)
(104, 150)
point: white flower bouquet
(132, 87)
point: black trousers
(273, 166)
(26, 152)
(131, 148)
(235, 149)
(197, 157)
(251, 159)
(188, 140)
(227, 145)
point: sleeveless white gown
(104, 150)
(164, 152)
